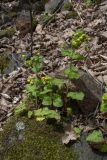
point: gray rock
(92, 90)
(89, 86)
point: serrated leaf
(72, 73)
(47, 101)
(57, 101)
(76, 95)
(30, 113)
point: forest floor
(48, 41)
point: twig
(31, 22)
(104, 57)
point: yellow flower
(30, 80)
(46, 78)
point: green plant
(47, 91)
(78, 38)
(103, 107)
(90, 2)
(77, 130)
(95, 137)
(21, 108)
(51, 94)
(35, 63)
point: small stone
(20, 126)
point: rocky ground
(48, 40)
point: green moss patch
(39, 142)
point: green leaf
(57, 101)
(41, 112)
(35, 63)
(44, 92)
(77, 130)
(54, 115)
(58, 82)
(20, 108)
(72, 73)
(69, 111)
(30, 113)
(37, 68)
(72, 54)
(47, 101)
(95, 137)
(40, 119)
(104, 97)
(103, 107)
(31, 89)
(76, 95)
(45, 113)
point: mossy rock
(38, 141)
(8, 32)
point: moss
(71, 14)
(40, 142)
(103, 148)
(8, 32)
(4, 61)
